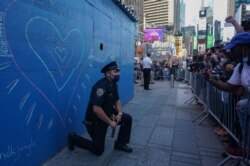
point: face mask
(116, 78)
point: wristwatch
(120, 113)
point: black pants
(146, 75)
(98, 132)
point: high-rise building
(209, 3)
(217, 30)
(237, 4)
(182, 14)
(177, 19)
(230, 8)
(159, 13)
(137, 8)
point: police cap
(111, 66)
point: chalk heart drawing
(63, 58)
(61, 52)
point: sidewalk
(162, 134)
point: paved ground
(162, 134)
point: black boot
(123, 147)
(71, 141)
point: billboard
(202, 23)
(178, 46)
(210, 41)
(195, 43)
(153, 34)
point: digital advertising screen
(153, 34)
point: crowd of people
(227, 67)
(159, 70)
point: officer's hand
(112, 124)
(118, 118)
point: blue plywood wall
(49, 58)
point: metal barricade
(221, 105)
(180, 74)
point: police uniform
(103, 94)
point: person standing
(104, 102)
(147, 64)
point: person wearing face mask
(104, 102)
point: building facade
(177, 19)
(138, 8)
(182, 14)
(237, 4)
(159, 13)
(230, 8)
(217, 30)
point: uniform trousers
(97, 132)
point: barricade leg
(204, 112)
(192, 98)
(188, 90)
(223, 162)
(204, 118)
(195, 98)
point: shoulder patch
(99, 92)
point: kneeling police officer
(103, 103)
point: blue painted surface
(49, 58)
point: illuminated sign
(178, 46)
(210, 41)
(153, 34)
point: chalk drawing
(41, 58)
(30, 113)
(75, 109)
(69, 120)
(15, 152)
(61, 53)
(3, 41)
(51, 123)
(59, 50)
(23, 101)
(4, 65)
(90, 65)
(83, 86)
(12, 85)
(40, 121)
(79, 98)
(87, 77)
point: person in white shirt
(147, 64)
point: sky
(193, 7)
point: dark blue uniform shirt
(103, 94)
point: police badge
(99, 92)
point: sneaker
(71, 141)
(123, 147)
(236, 152)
